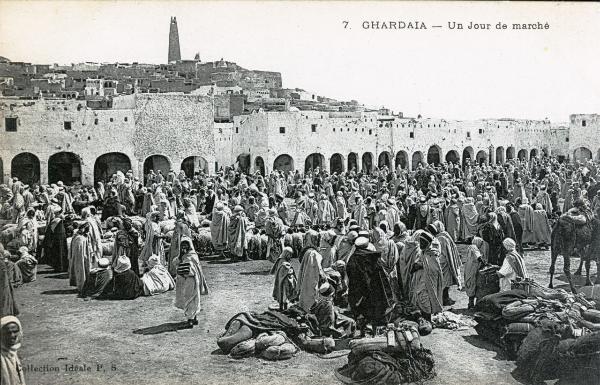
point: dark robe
(507, 226)
(8, 306)
(494, 238)
(111, 208)
(55, 246)
(516, 221)
(125, 285)
(126, 243)
(96, 282)
(369, 292)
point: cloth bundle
(452, 321)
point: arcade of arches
(67, 166)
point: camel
(568, 240)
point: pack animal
(571, 239)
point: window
(10, 124)
(428, 126)
(111, 119)
(468, 134)
(282, 130)
(481, 130)
(125, 119)
(67, 125)
(237, 130)
(567, 139)
(411, 135)
(96, 121)
(333, 129)
(583, 123)
(313, 127)
(402, 125)
(370, 132)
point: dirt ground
(128, 342)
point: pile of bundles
(396, 357)
(550, 333)
(268, 335)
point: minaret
(174, 52)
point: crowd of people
(395, 229)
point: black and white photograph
(299, 192)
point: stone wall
(137, 126)
(368, 134)
(175, 126)
(584, 133)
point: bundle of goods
(264, 335)
(203, 240)
(532, 322)
(274, 335)
(488, 281)
(396, 357)
(108, 242)
(452, 321)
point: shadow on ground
(265, 272)
(62, 291)
(164, 328)
(481, 343)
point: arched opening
(367, 162)
(533, 153)
(193, 164)
(108, 164)
(417, 158)
(500, 155)
(468, 155)
(259, 165)
(433, 155)
(582, 154)
(522, 155)
(336, 163)
(452, 157)
(481, 157)
(384, 160)
(155, 163)
(65, 167)
(510, 153)
(313, 161)
(352, 161)
(26, 167)
(545, 152)
(402, 159)
(243, 162)
(283, 162)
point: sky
(435, 72)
